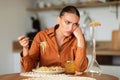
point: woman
(55, 46)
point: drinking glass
(70, 67)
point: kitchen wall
(15, 21)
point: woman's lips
(68, 32)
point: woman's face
(68, 23)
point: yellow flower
(95, 24)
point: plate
(48, 72)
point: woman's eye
(67, 22)
(75, 25)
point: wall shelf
(79, 5)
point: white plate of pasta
(49, 70)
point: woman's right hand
(24, 41)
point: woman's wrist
(25, 51)
(80, 43)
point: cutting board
(116, 39)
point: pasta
(52, 68)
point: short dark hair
(69, 9)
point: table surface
(16, 76)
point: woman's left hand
(79, 35)
(78, 32)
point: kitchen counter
(103, 48)
(103, 52)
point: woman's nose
(70, 27)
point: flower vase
(94, 67)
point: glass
(94, 67)
(70, 67)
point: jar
(70, 67)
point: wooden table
(16, 76)
(101, 77)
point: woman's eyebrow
(71, 22)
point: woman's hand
(79, 35)
(78, 32)
(24, 41)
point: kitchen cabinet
(78, 5)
